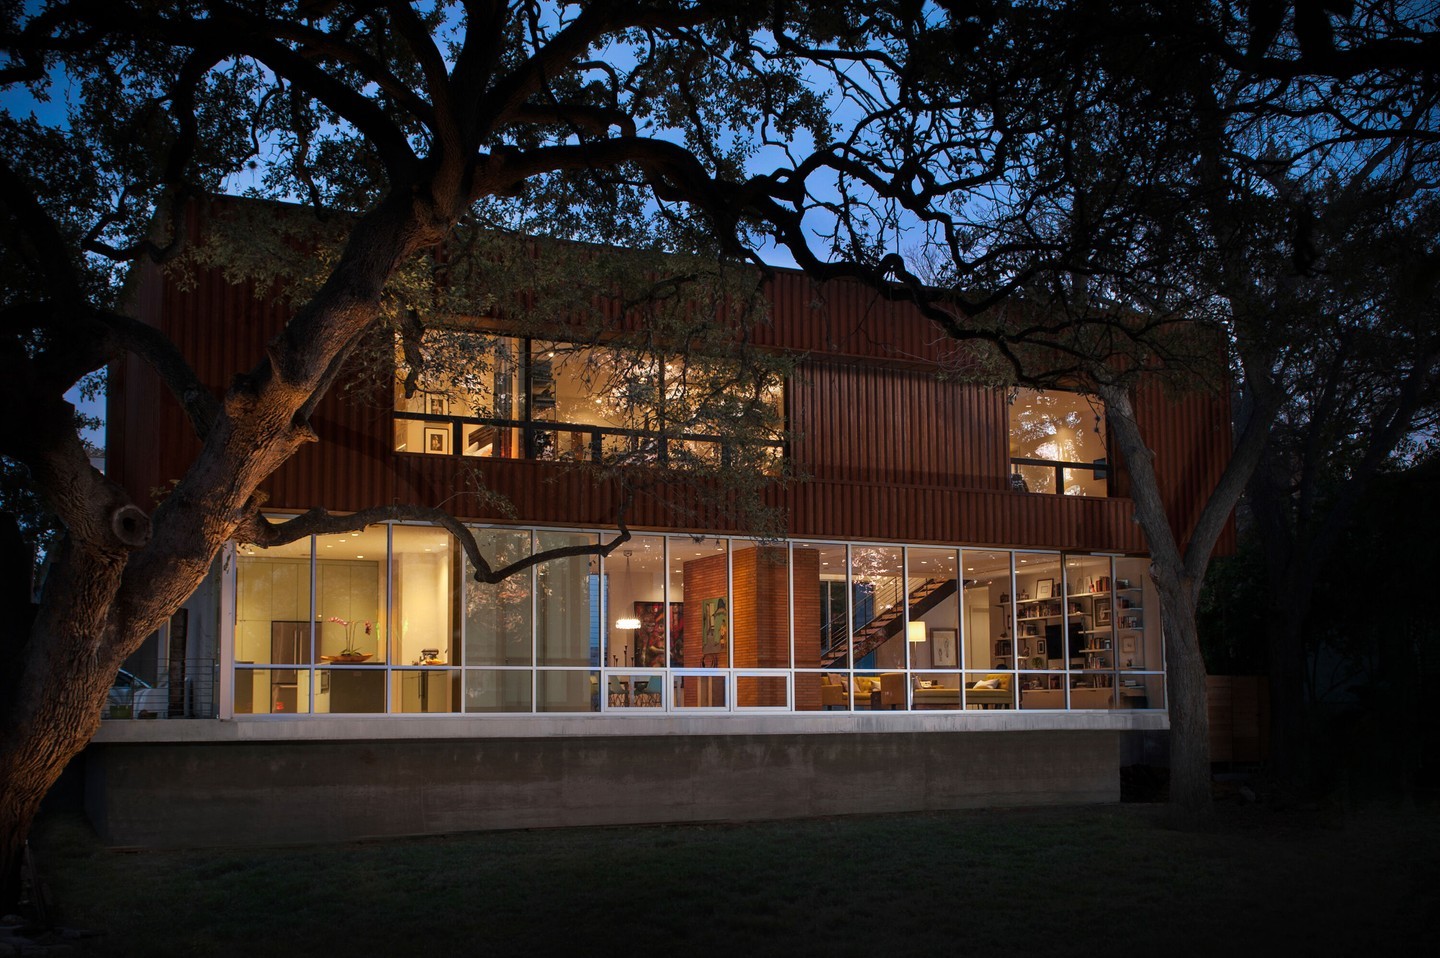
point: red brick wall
(761, 623)
(807, 627)
(705, 578)
(759, 618)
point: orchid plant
(349, 626)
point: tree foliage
(1183, 189)
(417, 134)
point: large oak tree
(1186, 188)
(409, 129)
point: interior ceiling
(646, 555)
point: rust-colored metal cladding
(893, 450)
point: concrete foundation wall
(180, 793)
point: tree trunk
(31, 760)
(56, 682)
(1190, 798)
(1177, 575)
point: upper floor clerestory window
(1057, 443)
(503, 397)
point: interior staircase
(888, 621)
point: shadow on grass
(1052, 881)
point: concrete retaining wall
(182, 793)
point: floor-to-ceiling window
(391, 620)
(498, 639)
(638, 625)
(988, 629)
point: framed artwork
(714, 631)
(1102, 612)
(650, 639)
(1045, 589)
(942, 649)
(437, 440)
(1127, 643)
(437, 404)
(677, 632)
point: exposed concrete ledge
(243, 792)
(327, 728)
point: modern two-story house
(958, 612)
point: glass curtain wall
(822, 631)
(933, 629)
(568, 617)
(351, 620)
(425, 633)
(1089, 606)
(498, 625)
(877, 622)
(760, 624)
(1139, 653)
(273, 627)
(390, 620)
(637, 624)
(988, 627)
(1041, 652)
(700, 582)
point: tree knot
(131, 526)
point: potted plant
(349, 653)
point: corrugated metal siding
(894, 452)
(841, 318)
(1191, 445)
(883, 425)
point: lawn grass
(1055, 881)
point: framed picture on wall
(437, 404)
(1102, 612)
(943, 649)
(714, 632)
(437, 440)
(650, 639)
(1127, 643)
(1045, 589)
(650, 643)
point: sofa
(835, 690)
(993, 690)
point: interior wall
(423, 604)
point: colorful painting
(714, 632)
(650, 640)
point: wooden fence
(1239, 718)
